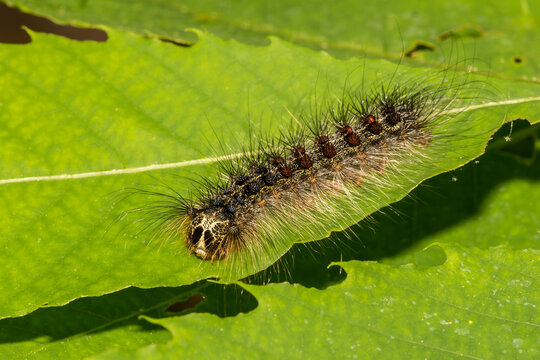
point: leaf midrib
(208, 160)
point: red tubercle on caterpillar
(302, 158)
(369, 119)
(375, 128)
(328, 149)
(373, 125)
(284, 169)
(350, 136)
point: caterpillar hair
(315, 178)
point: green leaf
(85, 120)
(89, 326)
(503, 35)
(87, 109)
(478, 304)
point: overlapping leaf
(501, 34)
(379, 311)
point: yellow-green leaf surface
(81, 122)
(90, 326)
(502, 34)
(479, 304)
(85, 120)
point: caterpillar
(311, 176)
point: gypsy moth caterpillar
(324, 174)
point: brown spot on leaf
(190, 303)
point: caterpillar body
(307, 175)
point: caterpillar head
(207, 236)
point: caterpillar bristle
(349, 141)
(309, 177)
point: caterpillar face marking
(349, 143)
(206, 233)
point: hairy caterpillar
(309, 177)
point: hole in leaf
(517, 60)
(12, 21)
(462, 32)
(419, 47)
(176, 42)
